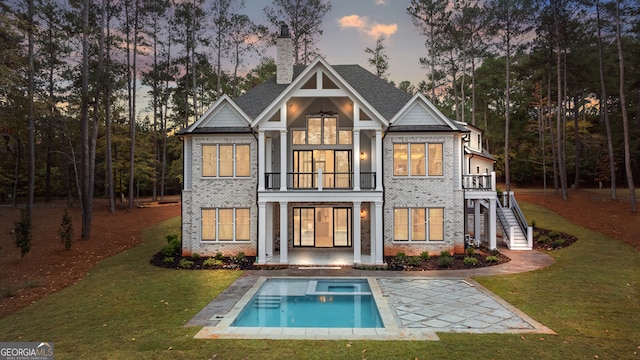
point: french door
(322, 227)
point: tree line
(555, 84)
(93, 91)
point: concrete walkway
(420, 303)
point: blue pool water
(321, 303)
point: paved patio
(413, 305)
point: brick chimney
(284, 62)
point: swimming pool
(311, 303)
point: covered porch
(320, 229)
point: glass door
(303, 227)
(322, 227)
(342, 227)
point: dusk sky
(352, 26)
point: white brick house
(325, 157)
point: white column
(268, 143)
(262, 234)
(284, 234)
(357, 248)
(378, 241)
(378, 159)
(269, 230)
(261, 160)
(490, 228)
(476, 219)
(372, 232)
(283, 160)
(356, 163)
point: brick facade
(218, 192)
(423, 192)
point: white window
(413, 160)
(412, 224)
(321, 131)
(226, 224)
(226, 160)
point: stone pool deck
(413, 305)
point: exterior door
(322, 227)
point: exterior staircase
(518, 235)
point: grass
(126, 308)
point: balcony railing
(320, 180)
(484, 182)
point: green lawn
(126, 308)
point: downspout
(464, 138)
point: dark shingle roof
(383, 96)
(257, 99)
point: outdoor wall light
(363, 156)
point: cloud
(381, 29)
(363, 25)
(381, 2)
(352, 21)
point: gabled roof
(419, 114)
(383, 97)
(254, 101)
(229, 118)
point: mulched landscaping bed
(544, 240)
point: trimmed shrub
(470, 251)
(65, 233)
(219, 256)
(491, 259)
(557, 243)
(186, 264)
(168, 260)
(173, 246)
(543, 240)
(413, 260)
(470, 261)
(212, 262)
(22, 234)
(445, 253)
(240, 259)
(445, 261)
(424, 255)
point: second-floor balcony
(479, 182)
(320, 180)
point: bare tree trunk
(559, 117)
(32, 122)
(96, 102)
(108, 154)
(554, 156)
(604, 109)
(507, 107)
(576, 133)
(155, 109)
(625, 118)
(194, 74)
(16, 174)
(85, 201)
(132, 119)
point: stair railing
(522, 222)
(506, 229)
